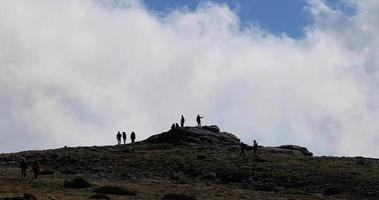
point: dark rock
(194, 136)
(303, 150)
(332, 191)
(27, 196)
(99, 196)
(77, 183)
(209, 176)
(213, 128)
(46, 172)
(266, 188)
(174, 196)
(113, 190)
(201, 157)
(68, 171)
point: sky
(301, 72)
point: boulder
(303, 150)
(77, 183)
(206, 135)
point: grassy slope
(205, 173)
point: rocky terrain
(188, 163)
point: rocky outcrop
(206, 135)
(302, 150)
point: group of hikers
(24, 165)
(123, 136)
(182, 120)
(244, 147)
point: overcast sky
(75, 72)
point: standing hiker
(133, 136)
(182, 121)
(124, 137)
(35, 169)
(198, 120)
(255, 147)
(243, 148)
(118, 136)
(23, 166)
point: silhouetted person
(35, 169)
(182, 121)
(133, 136)
(23, 166)
(176, 125)
(243, 148)
(198, 120)
(173, 126)
(118, 136)
(124, 137)
(255, 147)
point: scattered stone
(174, 196)
(77, 183)
(47, 172)
(113, 190)
(99, 196)
(332, 191)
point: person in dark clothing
(243, 149)
(124, 137)
(118, 136)
(173, 126)
(198, 120)
(176, 125)
(182, 121)
(133, 136)
(23, 166)
(255, 147)
(35, 169)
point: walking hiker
(243, 149)
(182, 121)
(198, 120)
(124, 137)
(23, 166)
(35, 169)
(133, 136)
(255, 147)
(118, 136)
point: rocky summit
(206, 135)
(188, 163)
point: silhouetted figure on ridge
(35, 169)
(198, 120)
(255, 147)
(182, 120)
(172, 126)
(23, 166)
(118, 136)
(133, 136)
(176, 125)
(124, 137)
(243, 149)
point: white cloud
(75, 72)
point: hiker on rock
(198, 120)
(133, 136)
(23, 166)
(255, 147)
(118, 136)
(243, 149)
(124, 137)
(182, 121)
(35, 169)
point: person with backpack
(118, 136)
(35, 169)
(255, 147)
(133, 136)
(124, 137)
(23, 166)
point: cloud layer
(76, 72)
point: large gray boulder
(209, 135)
